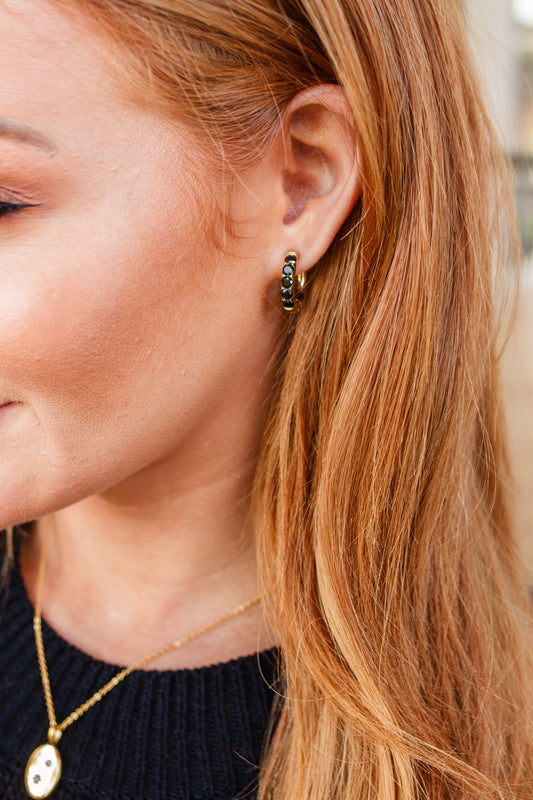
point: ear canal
(299, 191)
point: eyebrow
(24, 133)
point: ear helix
(292, 285)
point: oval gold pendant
(43, 771)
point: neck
(136, 567)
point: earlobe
(320, 176)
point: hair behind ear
(388, 564)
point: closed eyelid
(16, 198)
(7, 208)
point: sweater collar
(180, 734)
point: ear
(316, 176)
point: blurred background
(502, 38)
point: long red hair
(388, 564)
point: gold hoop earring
(292, 285)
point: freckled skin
(137, 356)
(121, 332)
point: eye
(12, 208)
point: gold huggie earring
(292, 285)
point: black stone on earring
(291, 294)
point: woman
(175, 177)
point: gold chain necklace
(43, 770)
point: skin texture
(130, 347)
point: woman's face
(123, 336)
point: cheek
(119, 348)
(90, 325)
(95, 343)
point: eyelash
(11, 208)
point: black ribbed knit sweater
(190, 734)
